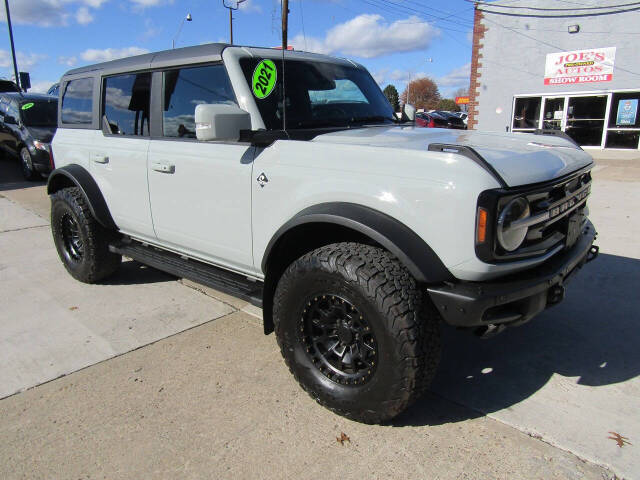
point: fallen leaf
(619, 439)
(343, 438)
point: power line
(557, 15)
(389, 6)
(496, 5)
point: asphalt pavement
(148, 376)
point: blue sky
(392, 38)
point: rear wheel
(26, 162)
(355, 331)
(82, 243)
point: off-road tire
(96, 261)
(26, 164)
(403, 320)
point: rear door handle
(99, 158)
(163, 167)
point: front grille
(555, 211)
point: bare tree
(421, 93)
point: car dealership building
(567, 66)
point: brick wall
(478, 34)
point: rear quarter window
(77, 102)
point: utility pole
(285, 18)
(231, 9)
(13, 50)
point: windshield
(319, 94)
(39, 114)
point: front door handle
(99, 158)
(163, 167)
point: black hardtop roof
(209, 52)
(26, 97)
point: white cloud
(25, 60)
(456, 78)
(95, 55)
(41, 86)
(45, 13)
(51, 13)
(249, 6)
(149, 3)
(83, 17)
(94, 3)
(150, 30)
(370, 36)
(68, 61)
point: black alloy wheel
(72, 241)
(82, 243)
(339, 340)
(356, 330)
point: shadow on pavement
(593, 335)
(132, 272)
(11, 175)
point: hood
(43, 134)
(519, 158)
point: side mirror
(409, 112)
(220, 122)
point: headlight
(41, 145)
(511, 236)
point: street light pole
(188, 18)
(13, 50)
(231, 9)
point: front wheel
(355, 331)
(26, 162)
(82, 243)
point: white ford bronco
(284, 178)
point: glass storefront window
(526, 113)
(624, 110)
(624, 121)
(622, 139)
(553, 110)
(585, 119)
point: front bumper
(517, 298)
(41, 161)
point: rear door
(118, 158)
(200, 191)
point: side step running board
(223, 280)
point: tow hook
(555, 294)
(593, 253)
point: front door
(200, 191)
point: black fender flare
(79, 177)
(400, 240)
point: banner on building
(580, 66)
(627, 111)
(462, 100)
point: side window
(188, 87)
(125, 100)
(77, 102)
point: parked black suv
(27, 124)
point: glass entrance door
(585, 119)
(552, 114)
